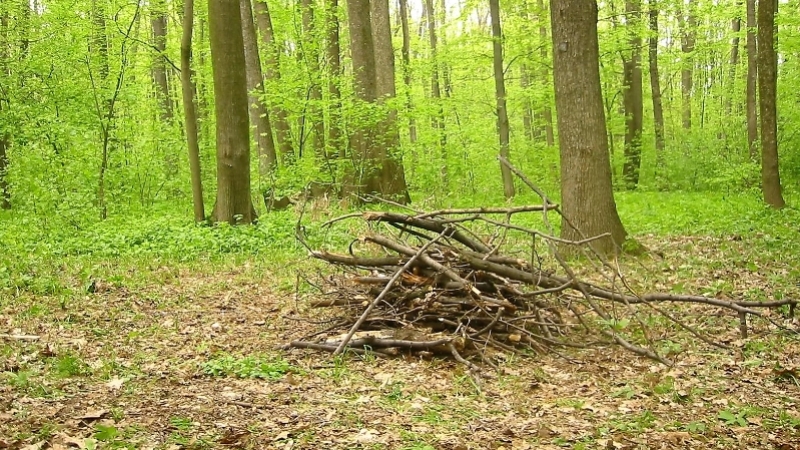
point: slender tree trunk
(259, 117)
(632, 92)
(5, 138)
(158, 23)
(436, 93)
(189, 111)
(736, 26)
(99, 48)
(406, 52)
(752, 78)
(546, 112)
(310, 54)
(333, 51)
(688, 31)
(442, 18)
(767, 92)
(587, 199)
(233, 203)
(273, 74)
(393, 172)
(500, 95)
(655, 85)
(527, 107)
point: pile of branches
(432, 283)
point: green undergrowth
(37, 251)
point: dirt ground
(131, 367)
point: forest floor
(159, 355)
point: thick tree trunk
(587, 199)
(442, 19)
(546, 112)
(272, 73)
(655, 85)
(158, 23)
(688, 30)
(406, 52)
(767, 92)
(310, 54)
(189, 111)
(632, 94)
(333, 52)
(393, 172)
(500, 96)
(752, 79)
(436, 93)
(233, 132)
(259, 117)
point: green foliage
(270, 368)
(731, 418)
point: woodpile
(432, 283)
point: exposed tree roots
(428, 283)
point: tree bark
(189, 110)
(437, 121)
(393, 173)
(406, 53)
(5, 138)
(767, 92)
(736, 26)
(546, 112)
(688, 31)
(158, 23)
(333, 52)
(752, 79)
(527, 106)
(259, 116)
(587, 199)
(273, 74)
(310, 54)
(500, 96)
(233, 203)
(655, 84)
(632, 95)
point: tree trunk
(655, 85)
(752, 78)
(310, 54)
(587, 199)
(273, 74)
(688, 31)
(767, 92)
(527, 106)
(5, 139)
(189, 111)
(259, 117)
(736, 26)
(158, 23)
(233, 132)
(500, 95)
(333, 51)
(99, 48)
(394, 179)
(442, 18)
(546, 112)
(632, 95)
(436, 93)
(406, 52)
